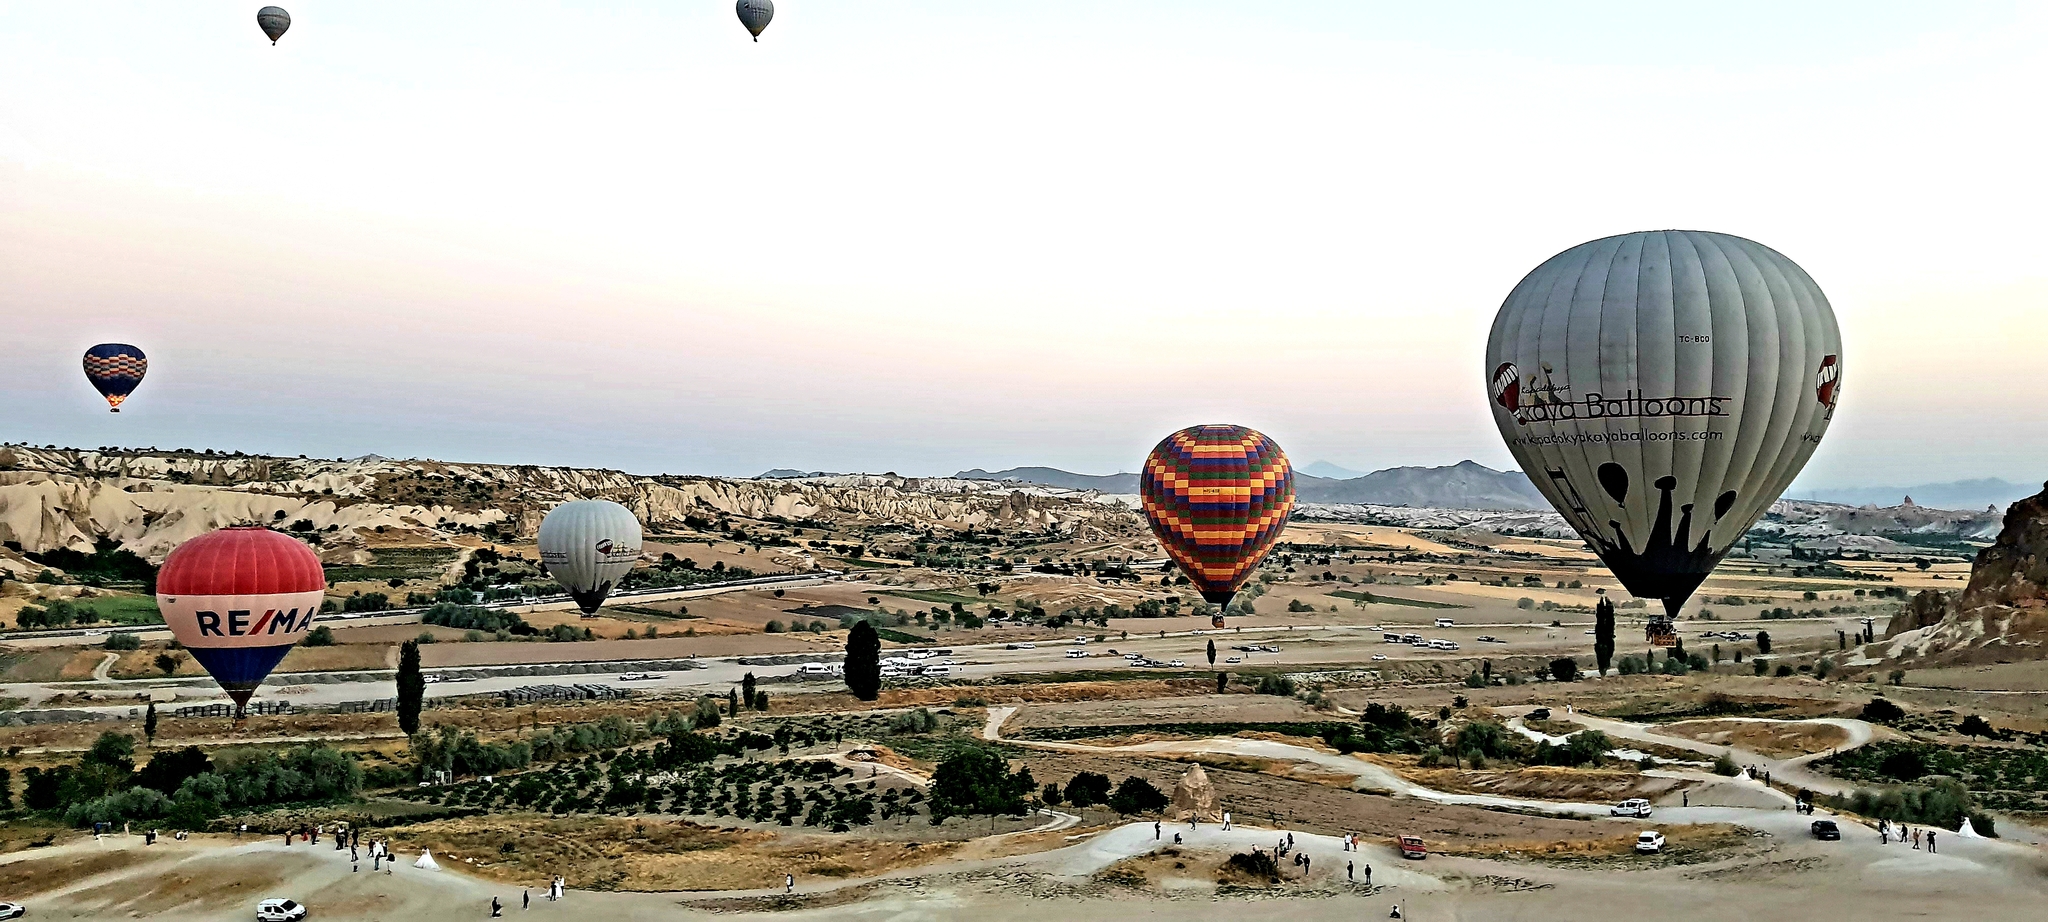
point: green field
(126, 609)
(1374, 598)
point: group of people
(1886, 832)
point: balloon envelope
(238, 599)
(1662, 389)
(755, 14)
(115, 370)
(1217, 497)
(273, 20)
(588, 546)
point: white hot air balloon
(273, 20)
(755, 14)
(1661, 389)
(588, 546)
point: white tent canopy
(427, 861)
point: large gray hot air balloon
(1662, 388)
(587, 546)
(755, 14)
(273, 20)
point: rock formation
(1195, 798)
(2003, 613)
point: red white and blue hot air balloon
(115, 370)
(239, 599)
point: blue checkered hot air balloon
(115, 369)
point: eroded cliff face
(150, 502)
(2003, 612)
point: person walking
(1916, 840)
(1305, 863)
(1348, 872)
(525, 899)
(1155, 830)
(1226, 821)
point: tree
(1974, 726)
(1050, 795)
(167, 662)
(1880, 711)
(747, 689)
(864, 661)
(1212, 651)
(1137, 796)
(1222, 682)
(412, 687)
(322, 636)
(976, 780)
(1763, 642)
(732, 701)
(149, 724)
(1603, 634)
(1087, 788)
(1564, 669)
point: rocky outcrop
(1925, 609)
(2003, 613)
(1195, 798)
(149, 502)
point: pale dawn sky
(925, 236)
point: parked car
(1824, 830)
(1377, 657)
(1411, 847)
(1176, 664)
(280, 911)
(1540, 714)
(1649, 842)
(1233, 659)
(12, 910)
(1634, 806)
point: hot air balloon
(588, 545)
(1662, 388)
(238, 599)
(273, 20)
(755, 14)
(115, 370)
(1217, 497)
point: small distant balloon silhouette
(755, 14)
(273, 20)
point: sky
(928, 236)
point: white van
(814, 669)
(1445, 622)
(1020, 646)
(936, 669)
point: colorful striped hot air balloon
(1217, 497)
(239, 599)
(115, 370)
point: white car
(1234, 659)
(1377, 657)
(1649, 843)
(12, 910)
(1634, 806)
(1176, 664)
(280, 911)
(1076, 654)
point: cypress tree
(412, 687)
(1603, 633)
(864, 662)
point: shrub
(1783, 671)
(322, 636)
(1725, 765)
(1897, 677)
(1257, 865)
(1880, 711)
(1564, 669)
(122, 641)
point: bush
(1257, 865)
(1880, 711)
(1564, 669)
(322, 636)
(122, 641)
(1525, 602)
(1783, 671)
(1725, 765)
(1760, 666)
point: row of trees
(185, 787)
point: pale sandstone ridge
(149, 502)
(2002, 613)
(1194, 798)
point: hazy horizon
(931, 237)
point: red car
(1411, 847)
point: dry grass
(651, 854)
(1542, 782)
(1682, 845)
(1771, 738)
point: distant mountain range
(1328, 470)
(1960, 494)
(1465, 485)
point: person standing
(1155, 830)
(497, 909)
(1226, 821)
(1685, 798)
(525, 899)
(1305, 862)
(788, 883)
(1348, 872)
(1930, 841)
(1916, 840)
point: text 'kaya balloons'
(273, 20)
(1661, 389)
(238, 599)
(1217, 497)
(588, 546)
(115, 370)
(755, 14)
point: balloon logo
(115, 370)
(239, 599)
(273, 21)
(1826, 381)
(1658, 427)
(1217, 498)
(1507, 387)
(588, 546)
